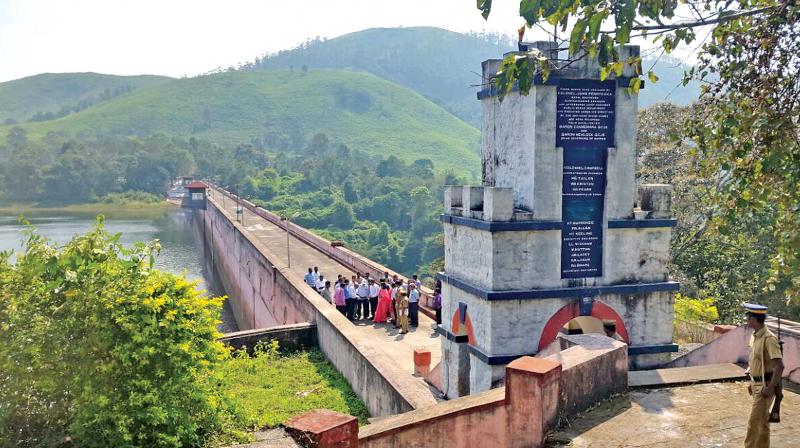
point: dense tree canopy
(746, 131)
(728, 267)
(65, 169)
(385, 209)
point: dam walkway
(398, 347)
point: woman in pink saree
(384, 305)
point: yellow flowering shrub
(98, 346)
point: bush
(692, 316)
(141, 197)
(97, 345)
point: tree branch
(702, 22)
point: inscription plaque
(585, 130)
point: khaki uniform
(764, 348)
(402, 312)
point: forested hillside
(54, 95)
(280, 111)
(383, 207)
(442, 65)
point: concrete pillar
(498, 203)
(322, 428)
(532, 394)
(548, 48)
(548, 160)
(480, 375)
(422, 362)
(472, 198)
(656, 198)
(489, 68)
(452, 198)
(483, 376)
(455, 368)
(627, 52)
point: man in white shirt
(316, 274)
(374, 289)
(321, 284)
(363, 299)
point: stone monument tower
(558, 230)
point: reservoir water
(172, 227)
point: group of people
(387, 299)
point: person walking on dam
(765, 368)
(310, 279)
(384, 305)
(437, 305)
(402, 311)
(326, 291)
(339, 295)
(374, 291)
(413, 304)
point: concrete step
(680, 376)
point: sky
(186, 38)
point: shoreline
(96, 207)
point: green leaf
(576, 37)
(594, 24)
(604, 53)
(624, 16)
(634, 85)
(604, 72)
(530, 11)
(485, 6)
(652, 77)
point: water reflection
(172, 227)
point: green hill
(284, 109)
(442, 65)
(63, 93)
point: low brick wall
(593, 368)
(536, 393)
(513, 416)
(264, 295)
(290, 337)
(733, 347)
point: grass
(49, 92)
(108, 209)
(269, 388)
(110, 204)
(358, 109)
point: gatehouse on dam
(556, 294)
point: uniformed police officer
(766, 368)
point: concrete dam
(247, 255)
